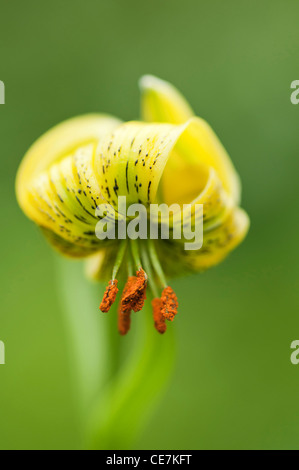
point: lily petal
(157, 162)
(217, 205)
(217, 244)
(162, 102)
(56, 187)
(130, 161)
(203, 142)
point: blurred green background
(234, 385)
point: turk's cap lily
(170, 156)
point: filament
(119, 259)
(148, 268)
(156, 263)
(135, 253)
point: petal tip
(162, 102)
(147, 82)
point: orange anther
(109, 296)
(169, 303)
(159, 319)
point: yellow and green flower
(170, 156)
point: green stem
(122, 411)
(88, 335)
(118, 380)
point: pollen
(125, 307)
(169, 303)
(159, 319)
(124, 319)
(133, 297)
(109, 296)
(134, 293)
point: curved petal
(217, 244)
(203, 142)
(216, 207)
(130, 161)
(148, 163)
(162, 102)
(56, 187)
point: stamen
(135, 253)
(109, 296)
(124, 320)
(156, 263)
(169, 304)
(119, 258)
(134, 293)
(129, 266)
(124, 309)
(159, 319)
(132, 298)
(147, 265)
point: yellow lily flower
(170, 157)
